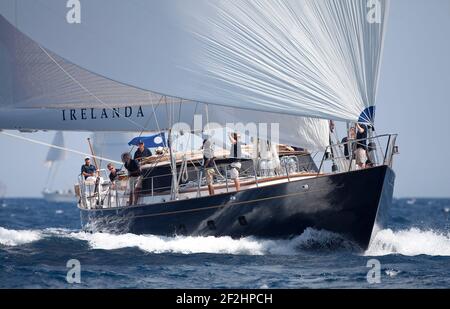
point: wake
(410, 242)
(16, 238)
(310, 239)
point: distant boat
(60, 196)
(411, 201)
(53, 160)
(2, 194)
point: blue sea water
(37, 239)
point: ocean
(37, 239)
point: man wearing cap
(142, 152)
(87, 169)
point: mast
(173, 165)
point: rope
(183, 171)
(56, 147)
(156, 118)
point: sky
(413, 101)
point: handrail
(364, 139)
(387, 155)
(116, 194)
(387, 150)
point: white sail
(54, 81)
(53, 159)
(55, 154)
(110, 145)
(306, 58)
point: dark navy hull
(350, 203)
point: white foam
(410, 242)
(57, 231)
(218, 245)
(18, 237)
(179, 244)
(392, 272)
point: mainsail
(260, 61)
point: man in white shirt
(208, 163)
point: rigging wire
(87, 90)
(147, 123)
(56, 147)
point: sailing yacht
(276, 71)
(54, 158)
(2, 194)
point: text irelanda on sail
(104, 113)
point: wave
(410, 242)
(18, 237)
(177, 244)
(310, 239)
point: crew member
(208, 163)
(142, 152)
(87, 169)
(348, 145)
(235, 155)
(134, 177)
(113, 172)
(361, 145)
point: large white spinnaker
(301, 57)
